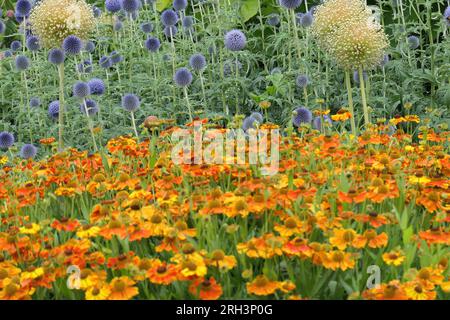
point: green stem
(363, 96)
(61, 107)
(188, 103)
(350, 101)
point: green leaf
(162, 4)
(407, 235)
(249, 9)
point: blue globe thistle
(146, 27)
(97, 86)
(290, 4)
(85, 66)
(179, 4)
(115, 57)
(182, 77)
(169, 18)
(6, 140)
(447, 16)
(257, 116)
(35, 102)
(53, 109)
(105, 62)
(273, 20)
(16, 45)
(235, 40)
(81, 89)
(118, 25)
(28, 151)
(197, 62)
(19, 17)
(170, 31)
(8, 53)
(32, 43)
(302, 81)
(56, 56)
(97, 12)
(23, 8)
(302, 115)
(306, 20)
(130, 6)
(152, 44)
(72, 45)
(317, 122)
(113, 6)
(187, 22)
(89, 46)
(2, 27)
(130, 102)
(22, 63)
(249, 122)
(413, 42)
(91, 106)
(356, 76)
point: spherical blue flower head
(413, 42)
(229, 67)
(118, 25)
(8, 53)
(16, 45)
(32, 43)
(23, 7)
(85, 66)
(130, 102)
(235, 40)
(113, 6)
(169, 18)
(28, 151)
(356, 76)
(146, 27)
(302, 115)
(91, 106)
(187, 22)
(130, 6)
(302, 81)
(152, 44)
(97, 12)
(385, 60)
(81, 89)
(290, 4)
(257, 116)
(105, 62)
(317, 122)
(22, 63)
(56, 56)
(197, 62)
(97, 86)
(182, 77)
(115, 57)
(19, 17)
(2, 27)
(273, 20)
(447, 16)
(53, 109)
(170, 31)
(72, 45)
(6, 140)
(89, 46)
(35, 102)
(306, 20)
(249, 122)
(179, 4)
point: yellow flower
(3, 160)
(30, 228)
(419, 180)
(98, 293)
(394, 258)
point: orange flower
(262, 286)
(391, 291)
(343, 238)
(416, 291)
(286, 286)
(352, 196)
(341, 115)
(220, 260)
(122, 288)
(162, 273)
(206, 289)
(291, 226)
(371, 239)
(338, 260)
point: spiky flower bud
(54, 20)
